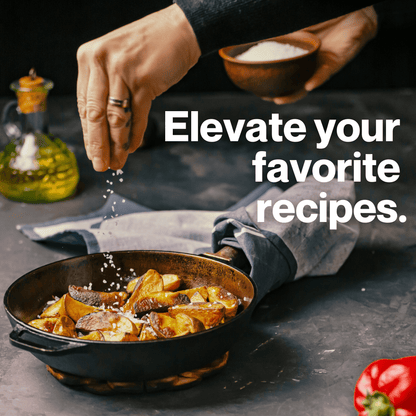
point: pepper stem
(378, 404)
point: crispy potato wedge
(106, 321)
(159, 301)
(119, 336)
(197, 297)
(94, 336)
(202, 290)
(230, 301)
(132, 284)
(94, 298)
(147, 333)
(45, 324)
(150, 282)
(171, 282)
(76, 309)
(210, 314)
(65, 326)
(56, 309)
(163, 324)
(186, 323)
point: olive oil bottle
(35, 166)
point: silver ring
(119, 103)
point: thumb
(327, 66)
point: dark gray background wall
(46, 35)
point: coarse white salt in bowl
(271, 51)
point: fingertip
(99, 165)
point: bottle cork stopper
(31, 81)
(32, 97)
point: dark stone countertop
(309, 340)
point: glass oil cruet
(35, 166)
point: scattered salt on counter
(271, 51)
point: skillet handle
(15, 338)
(231, 256)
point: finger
(119, 123)
(82, 87)
(328, 65)
(97, 126)
(141, 103)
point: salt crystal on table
(271, 51)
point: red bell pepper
(387, 388)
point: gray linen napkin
(277, 252)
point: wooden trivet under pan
(184, 380)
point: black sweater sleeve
(219, 23)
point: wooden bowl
(273, 78)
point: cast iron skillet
(126, 361)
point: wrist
(183, 28)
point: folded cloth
(277, 252)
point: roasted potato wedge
(210, 314)
(65, 326)
(186, 323)
(119, 336)
(150, 282)
(56, 309)
(45, 324)
(197, 297)
(147, 333)
(163, 324)
(219, 294)
(76, 309)
(171, 282)
(94, 298)
(94, 336)
(132, 284)
(106, 321)
(202, 290)
(159, 301)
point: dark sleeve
(219, 23)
